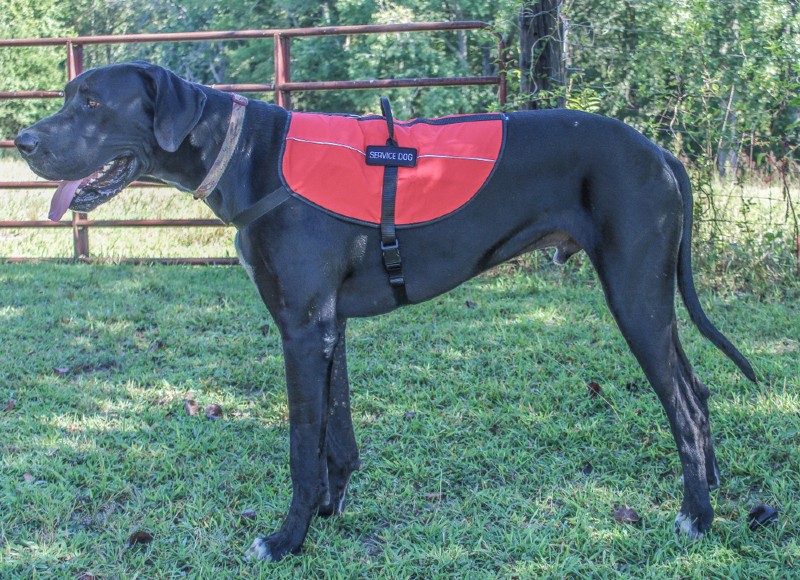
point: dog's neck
(226, 151)
(253, 171)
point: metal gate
(282, 86)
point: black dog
(566, 179)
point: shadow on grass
(483, 450)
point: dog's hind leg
(637, 270)
(342, 450)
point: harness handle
(390, 246)
(386, 109)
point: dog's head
(114, 121)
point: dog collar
(226, 151)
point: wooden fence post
(80, 235)
(541, 58)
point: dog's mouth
(99, 187)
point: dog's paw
(687, 526)
(259, 550)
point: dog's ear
(178, 106)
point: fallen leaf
(626, 515)
(10, 405)
(213, 411)
(762, 516)
(86, 576)
(138, 538)
(61, 371)
(190, 407)
(436, 496)
(594, 389)
(27, 477)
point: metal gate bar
(282, 87)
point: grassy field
(145, 203)
(484, 453)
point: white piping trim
(484, 159)
(457, 157)
(327, 143)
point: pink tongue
(62, 198)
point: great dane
(566, 180)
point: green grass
(475, 427)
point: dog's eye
(91, 104)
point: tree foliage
(707, 79)
(30, 68)
(711, 80)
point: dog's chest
(324, 162)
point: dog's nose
(26, 142)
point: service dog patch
(391, 156)
(337, 163)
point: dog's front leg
(308, 351)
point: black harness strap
(391, 157)
(262, 207)
(390, 246)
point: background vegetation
(672, 67)
(715, 82)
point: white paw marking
(258, 550)
(340, 507)
(344, 495)
(687, 525)
(716, 476)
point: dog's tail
(686, 281)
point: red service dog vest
(325, 162)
